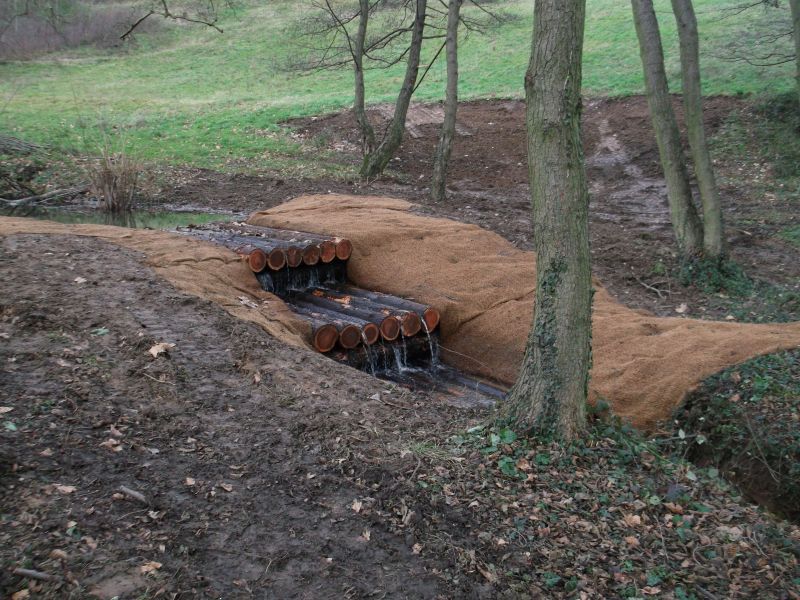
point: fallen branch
(31, 574)
(54, 195)
(133, 494)
(12, 145)
(650, 287)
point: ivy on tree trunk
(550, 394)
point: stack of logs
(309, 271)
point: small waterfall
(399, 357)
(433, 345)
(266, 281)
(371, 357)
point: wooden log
(258, 254)
(331, 247)
(389, 325)
(350, 333)
(409, 320)
(294, 256)
(12, 145)
(343, 248)
(369, 331)
(327, 251)
(295, 253)
(429, 314)
(275, 253)
(48, 197)
(323, 335)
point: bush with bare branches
(114, 179)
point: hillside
(190, 95)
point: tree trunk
(367, 132)
(442, 158)
(713, 240)
(794, 5)
(550, 394)
(685, 221)
(375, 162)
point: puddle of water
(139, 219)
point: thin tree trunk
(794, 5)
(550, 394)
(367, 132)
(685, 221)
(442, 158)
(713, 240)
(375, 162)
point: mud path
(250, 452)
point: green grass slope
(193, 96)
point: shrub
(114, 178)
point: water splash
(372, 362)
(433, 345)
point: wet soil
(231, 466)
(249, 453)
(273, 472)
(633, 248)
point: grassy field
(189, 95)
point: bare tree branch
(206, 14)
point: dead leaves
(112, 444)
(631, 540)
(624, 511)
(632, 520)
(150, 568)
(161, 348)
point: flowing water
(433, 345)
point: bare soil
(631, 237)
(249, 453)
(272, 472)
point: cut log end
(344, 248)
(431, 317)
(325, 338)
(411, 324)
(294, 256)
(276, 259)
(371, 333)
(350, 337)
(390, 328)
(257, 260)
(327, 251)
(311, 255)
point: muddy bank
(249, 452)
